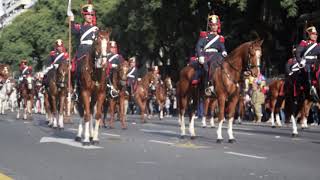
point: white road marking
(249, 134)
(245, 155)
(159, 131)
(109, 134)
(69, 142)
(161, 142)
(72, 129)
(277, 137)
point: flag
(69, 12)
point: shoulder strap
(113, 57)
(57, 58)
(211, 42)
(85, 34)
(309, 49)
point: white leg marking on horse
(55, 122)
(191, 126)
(212, 122)
(219, 130)
(96, 130)
(86, 131)
(230, 131)
(294, 125)
(278, 120)
(179, 120)
(161, 142)
(80, 128)
(91, 127)
(204, 123)
(272, 119)
(161, 114)
(61, 120)
(305, 122)
(25, 113)
(182, 126)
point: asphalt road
(153, 151)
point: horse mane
(237, 52)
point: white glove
(71, 18)
(224, 54)
(114, 65)
(201, 59)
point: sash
(130, 73)
(309, 49)
(211, 42)
(57, 58)
(25, 69)
(85, 34)
(112, 57)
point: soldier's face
(132, 64)
(214, 27)
(114, 50)
(60, 49)
(314, 37)
(88, 18)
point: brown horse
(142, 90)
(162, 90)
(119, 80)
(274, 100)
(27, 92)
(55, 95)
(92, 86)
(209, 106)
(243, 60)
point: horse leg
(294, 126)
(122, 111)
(161, 104)
(25, 106)
(192, 117)
(221, 102)
(182, 108)
(212, 108)
(112, 105)
(31, 106)
(205, 110)
(87, 117)
(126, 103)
(231, 108)
(18, 109)
(61, 108)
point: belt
(311, 57)
(88, 42)
(211, 50)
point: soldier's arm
(222, 47)
(200, 45)
(300, 50)
(75, 28)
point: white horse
(6, 88)
(12, 99)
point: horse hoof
(124, 128)
(294, 135)
(193, 137)
(85, 143)
(182, 136)
(90, 139)
(54, 127)
(78, 139)
(231, 141)
(219, 141)
(60, 128)
(204, 126)
(273, 126)
(213, 127)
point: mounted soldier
(307, 55)
(56, 56)
(132, 75)
(114, 58)
(24, 70)
(87, 32)
(210, 50)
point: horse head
(62, 73)
(4, 71)
(29, 82)
(102, 47)
(123, 71)
(253, 62)
(168, 83)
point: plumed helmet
(87, 9)
(311, 30)
(214, 19)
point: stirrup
(209, 91)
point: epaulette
(303, 43)
(221, 39)
(66, 55)
(203, 34)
